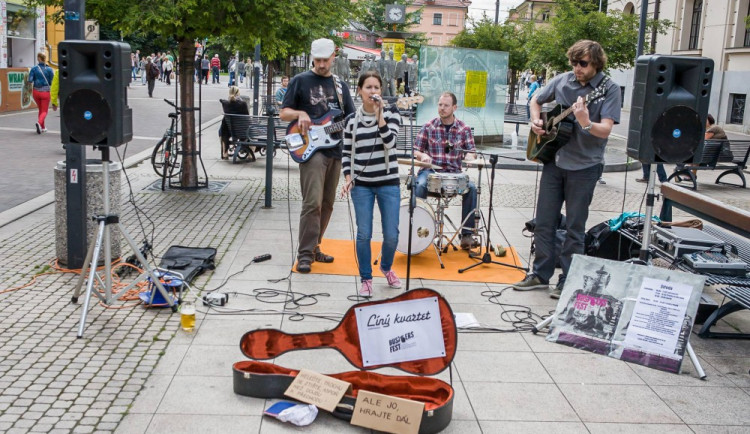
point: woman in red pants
(41, 76)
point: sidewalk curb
(22, 210)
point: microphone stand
(412, 196)
(487, 257)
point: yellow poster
(475, 94)
(395, 45)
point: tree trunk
(269, 81)
(189, 175)
(288, 67)
(512, 85)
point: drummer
(443, 142)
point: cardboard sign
(387, 413)
(317, 389)
(400, 332)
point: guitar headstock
(404, 103)
(599, 92)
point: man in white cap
(311, 95)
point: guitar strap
(339, 90)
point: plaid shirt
(433, 139)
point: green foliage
(572, 21)
(510, 37)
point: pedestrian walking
(167, 65)
(215, 65)
(41, 76)
(152, 73)
(205, 66)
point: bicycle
(164, 159)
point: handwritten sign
(317, 389)
(658, 316)
(400, 332)
(475, 94)
(387, 413)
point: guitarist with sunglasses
(571, 175)
(311, 95)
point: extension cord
(215, 299)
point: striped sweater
(364, 157)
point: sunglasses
(583, 63)
(448, 147)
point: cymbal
(407, 162)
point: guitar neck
(335, 127)
(557, 119)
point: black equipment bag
(560, 236)
(190, 262)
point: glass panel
(20, 23)
(478, 78)
(747, 31)
(437, 19)
(695, 25)
(738, 109)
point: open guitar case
(269, 381)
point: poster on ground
(629, 312)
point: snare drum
(447, 184)
(423, 230)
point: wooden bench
(728, 155)
(727, 217)
(249, 133)
(517, 114)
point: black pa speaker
(669, 108)
(94, 77)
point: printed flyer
(630, 312)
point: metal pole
(497, 11)
(256, 80)
(75, 157)
(270, 111)
(642, 29)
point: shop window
(746, 43)
(737, 112)
(20, 23)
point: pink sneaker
(366, 289)
(393, 280)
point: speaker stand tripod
(92, 257)
(487, 256)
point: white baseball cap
(322, 48)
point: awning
(355, 52)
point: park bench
(728, 217)
(516, 114)
(249, 134)
(728, 155)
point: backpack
(154, 70)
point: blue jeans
(576, 189)
(468, 202)
(660, 172)
(389, 202)
(134, 71)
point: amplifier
(676, 242)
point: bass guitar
(321, 131)
(557, 129)
(319, 136)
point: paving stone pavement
(136, 371)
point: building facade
(22, 33)
(709, 28)
(441, 20)
(538, 11)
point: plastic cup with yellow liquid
(187, 315)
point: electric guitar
(321, 131)
(319, 136)
(557, 129)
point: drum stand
(92, 257)
(477, 215)
(487, 257)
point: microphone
(375, 98)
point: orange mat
(423, 266)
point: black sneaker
(468, 242)
(530, 282)
(38, 128)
